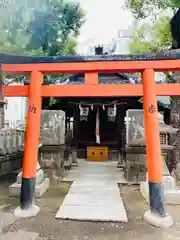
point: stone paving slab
(94, 172)
(71, 178)
(104, 177)
(91, 200)
(93, 191)
(94, 183)
(94, 194)
(114, 213)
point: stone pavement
(108, 171)
(94, 195)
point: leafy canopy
(39, 27)
(155, 34)
(144, 8)
(152, 37)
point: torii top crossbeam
(160, 62)
(91, 66)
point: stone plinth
(136, 164)
(74, 158)
(120, 159)
(51, 158)
(42, 184)
(68, 162)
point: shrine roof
(104, 78)
(15, 59)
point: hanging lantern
(112, 113)
(84, 111)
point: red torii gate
(91, 88)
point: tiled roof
(15, 59)
(78, 79)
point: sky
(103, 20)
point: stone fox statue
(175, 30)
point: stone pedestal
(135, 167)
(74, 158)
(68, 163)
(171, 192)
(120, 161)
(67, 158)
(42, 184)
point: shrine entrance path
(94, 194)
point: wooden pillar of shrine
(27, 207)
(156, 215)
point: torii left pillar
(27, 202)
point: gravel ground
(48, 228)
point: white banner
(97, 127)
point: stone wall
(10, 163)
(11, 150)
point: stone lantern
(136, 164)
(165, 132)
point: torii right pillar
(156, 215)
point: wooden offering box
(99, 154)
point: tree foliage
(54, 30)
(145, 8)
(152, 37)
(39, 27)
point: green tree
(145, 8)
(39, 28)
(55, 29)
(52, 29)
(49, 31)
(157, 38)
